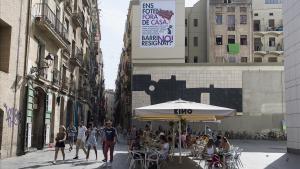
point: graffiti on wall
(13, 116)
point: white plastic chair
(153, 157)
(135, 157)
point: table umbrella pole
(180, 160)
(173, 139)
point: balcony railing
(84, 32)
(77, 56)
(78, 18)
(264, 28)
(43, 13)
(258, 47)
(230, 2)
(56, 77)
(65, 83)
(68, 5)
(43, 69)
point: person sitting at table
(218, 141)
(198, 140)
(225, 144)
(164, 148)
(210, 149)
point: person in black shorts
(60, 142)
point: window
(195, 59)
(219, 19)
(271, 14)
(258, 59)
(244, 59)
(186, 23)
(5, 41)
(231, 9)
(231, 22)
(272, 59)
(186, 41)
(256, 25)
(271, 24)
(231, 39)
(67, 24)
(255, 14)
(186, 59)
(195, 22)
(227, 1)
(243, 19)
(243, 39)
(272, 1)
(271, 42)
(243, 9)
(219, 40)
(195, 41)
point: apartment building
(109, 103)
(267, 31)
(291, 20)
(230, 32)
(13, 18)
(62, 82)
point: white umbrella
(181, 109)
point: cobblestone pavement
(256, 155)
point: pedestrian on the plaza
(91, 139)
(71, 131)
(60, 142)
(102, 137)
(80, 139)
(110, 141)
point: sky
(113, 17)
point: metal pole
(205, 128)
(180, 160)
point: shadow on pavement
(288, 161)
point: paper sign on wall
(157, 24)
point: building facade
(63, 77)
(218, 81)
(13, 18)
(230, 31)
(267, 31)
(109, 103)
(291, 22)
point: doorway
(38, 119)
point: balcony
(78, 18)
(84, 32)
(215, 2)
(65, 83)
(56, 77)
(263, 29)
(86, 3)
(68, 6)
(50, 24)
(43, 72)
(77, 57)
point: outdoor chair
(153, 158)
(237, 159)
(135, 157)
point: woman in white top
(91, 140)
(164, 149)
(210, 149)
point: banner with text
(157, 24)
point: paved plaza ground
(256, 155)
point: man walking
(110, 141)
(80, 139)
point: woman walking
(60, 142)
(91, 140)
(71, 136)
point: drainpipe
(27, 44)
(16, 76)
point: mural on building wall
(171, 89)
(12, 116)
